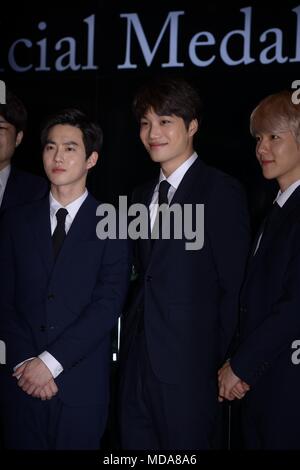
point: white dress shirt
(4, 174)
(174, 179)
(53, 365)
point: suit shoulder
(222, 185)
(30, 186)
(142, 189)
(21, 213)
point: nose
(262, 147)
(58, 157)
(154, 131)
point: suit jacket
(68, 307)
(21, 188)
(270, 306)
(190, 298)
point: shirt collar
(282, 197)
(175, 178)
(4, 175)
(72, 208)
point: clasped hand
(35, 379)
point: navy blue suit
(67, 308)
(189, 304)
(21, 188)
(270, 322)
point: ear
(193, 127)
(92, 160)
(19, 138)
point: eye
(257, 138)
(70, 149)
(143, 123)
(49, 147)
(165, 121)
(274, 136)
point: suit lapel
(42, 232)
(193, 181)
(145, 245)
(11, 193)
(288, 207)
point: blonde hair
(276, 113)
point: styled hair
(14, 111)
(92, 135)
(167, 96)
(276, 113)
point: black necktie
(59, 233)
(273, 214)
(163, 190)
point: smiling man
(185, 307)
(262, 370)
(61, 297)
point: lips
(58, 170)
(156, 145)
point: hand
(230, 385)
(33, 374)
(47, 392)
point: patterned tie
(59, 233)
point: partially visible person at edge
(16, 186)
(263, 371)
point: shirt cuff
(53, 365)
(19, 364)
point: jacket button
(50, 296)
(243, 310)
(149, 278)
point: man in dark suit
(16, 186)
(265, 367)
(59, 300)
(186, 306)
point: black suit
(22, 187)
(270, 322)
(189, 303)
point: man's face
(64, 157)
(9, 140)
(167, 139)
(279, 157)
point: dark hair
(167, 96)
(91, 132)
(14, 111)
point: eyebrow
(70, 142)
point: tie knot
(61, 215)
(163, 190)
